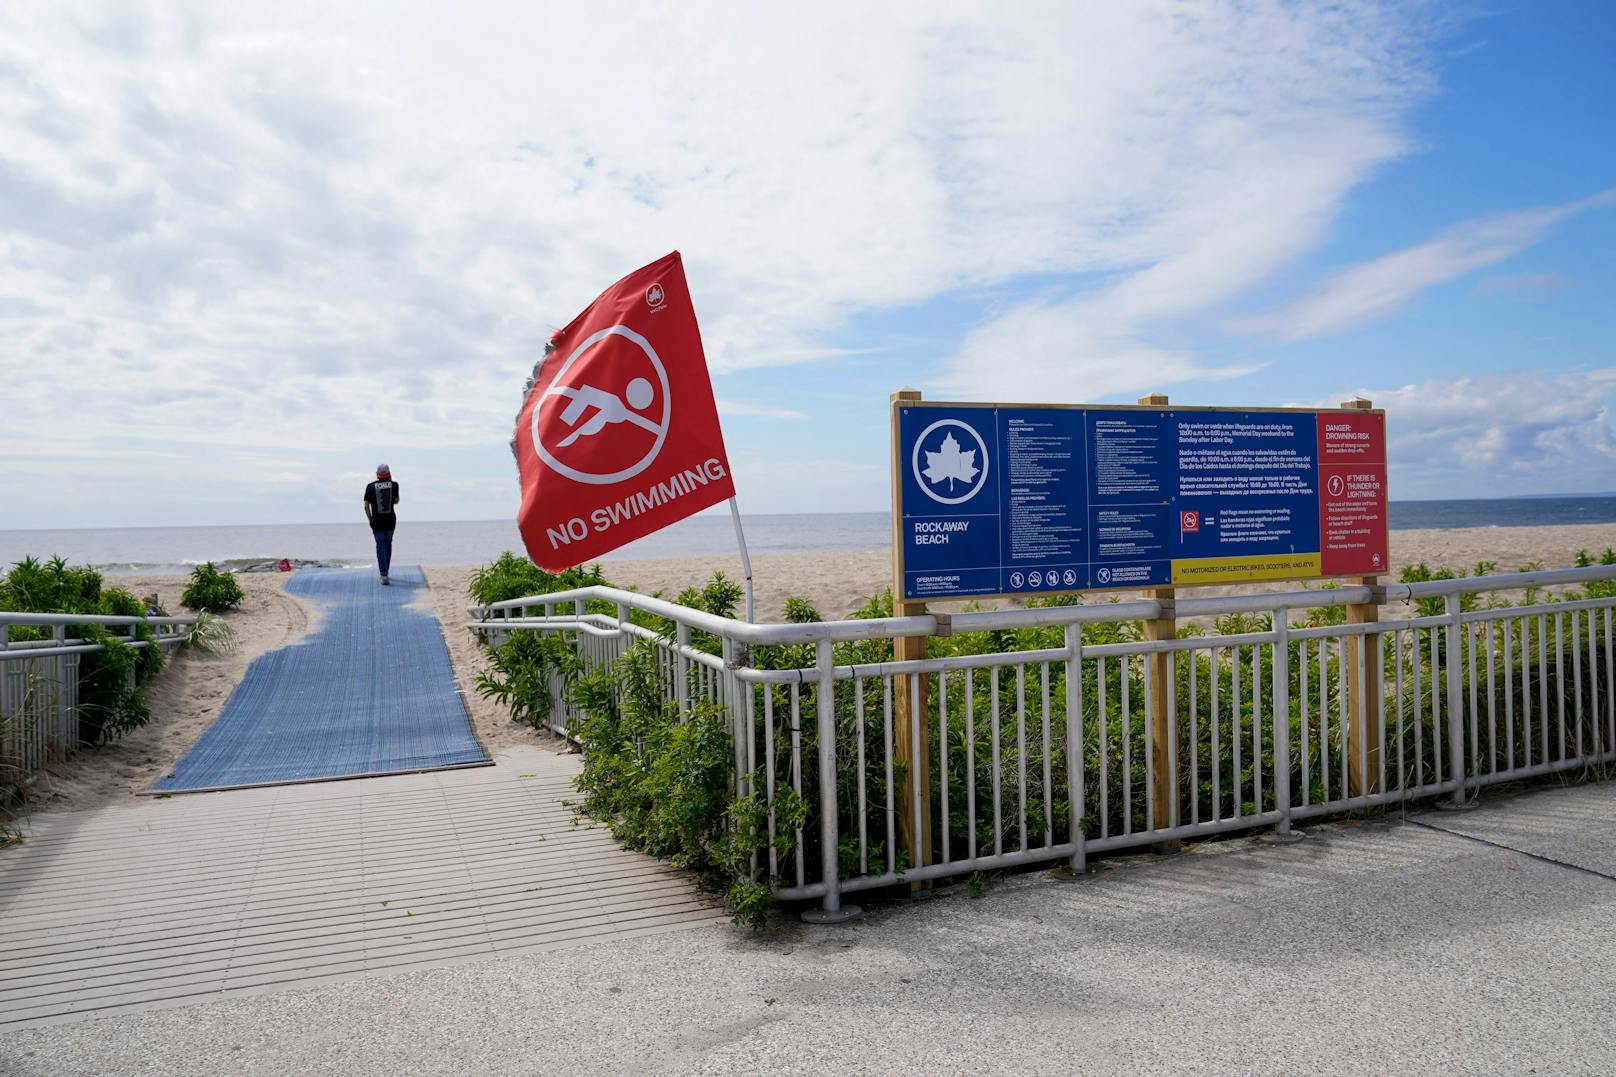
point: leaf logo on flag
(951, 463)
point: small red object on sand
(285, 565)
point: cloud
(1372, 290)
(239, 227)
(1236, 165)
(760, 411)
(1068, 351)
(1528, 432)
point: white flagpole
(746, 562)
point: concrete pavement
(1488, 945)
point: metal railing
(39, 681)
(1180, 738)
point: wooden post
(1364, 732)
(909, 725)
(1159, 671)
(1163, 759)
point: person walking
(381, 501)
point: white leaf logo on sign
(950, 463)
(590, 410)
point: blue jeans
(384, 550)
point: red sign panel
(1352, 494)
(619, 436)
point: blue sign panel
(1005, 500)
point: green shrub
(663, 781)
(512, 576)
(110, 699)
(12, 803)
(521, 669)
(212, 634)
(801, 611)
(718, 597)
(33, 586)
(211, 590)
(1599, 588)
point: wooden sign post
(1159, 673)
(911, 733)
(1364, 684)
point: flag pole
(746, 562)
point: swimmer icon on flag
(608, 409)
(619, 435)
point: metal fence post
(1455, 690)
(738, 707)
(580, 610)
(66, 733)
(1075, 756)
(1281, 706)
(681, 666)
(831, 910)
(740, 730)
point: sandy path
(193, 686)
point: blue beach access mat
(369, 692)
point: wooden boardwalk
(176, 901)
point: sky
(250, 251)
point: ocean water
(150, 550)
(122, 551)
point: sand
(190, 692)
(839, 583)
(184, 698)
(491, 722)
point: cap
(381, 469)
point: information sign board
(1007, 499)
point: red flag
(619, 436)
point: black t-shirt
(381, 496)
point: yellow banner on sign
(1283, 566)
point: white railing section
(39, 681)
(1260, 728)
